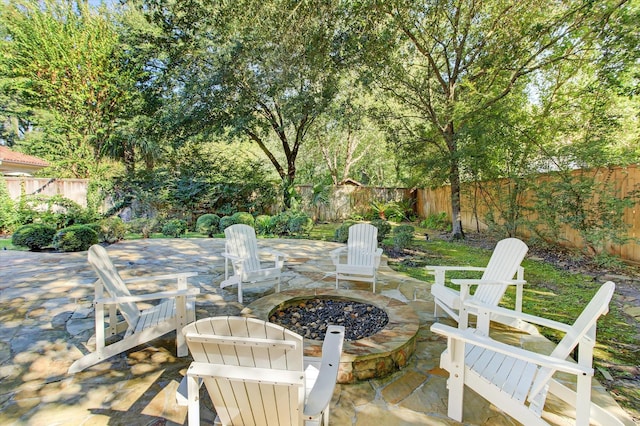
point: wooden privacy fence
(475, 208)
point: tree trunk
(454, 178)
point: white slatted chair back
(362, 245)
(112, 282)
(251, 343)
(241, 242)
(503, 265)
(584, 326)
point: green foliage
(342, 232)
(75, 238)
(280, 222)
(66, 69)
(35, 236)
(7, 208)
(226, 221)
(56, 211)
(299, 224)
(174, 228)
(144, 226)
(243, 218)
(110, 230)
(383, 228)
(437, 222)
(263, 224)
(402, 237)
(208, 224)
(587, 205)
(392, 211)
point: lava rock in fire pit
(310, 318)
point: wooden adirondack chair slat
(499, 274)
(138, 326)
(516, 380)
(262, 383)
(362, 255)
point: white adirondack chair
(516, 380)
(241, 249)
(503, 265)
(362, 255)
(254, 373)
(172, 313)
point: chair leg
(193, 397)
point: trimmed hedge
(208, 224)
(35, 236)
(75, 238)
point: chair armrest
(147, 297)
(472, 281)
(275, 253)
(518, 315)
(335, 253)
(322, 391)
(246, 374)
(469, 336)
(439, 271)
(161, 277)
(231, 257)
(433, 268)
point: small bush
(299, 224)
(437, 222)
(402, 237)
(226, 222)
(280, 223)
(263, 224)
(35, 236)
(110, 230)
(208, 224)
(174, 228)
(342, 232)
(75, 238)
(244, 218)
(383, 228)
(143, 226)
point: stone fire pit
(386, 350)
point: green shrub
(75, 238)
(437, 222)
(174, 228)
(299, 224)
(342, 232)
(35, 236)
(110, 230)
(226, 222)
(402, 236)
(280, 223)
(208, 224)
(144, 226)
(7, 208)
(383, 228)
(263, 224)
(244, 218)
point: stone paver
(47, 323)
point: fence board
(625, 180)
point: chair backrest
(251, 343)
(586, 323)
(362, 244)
(112, 282)
(241, 242)
(503, 265)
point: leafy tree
(455, 60)
(63, 61)
(264, 70)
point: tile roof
(9, 156)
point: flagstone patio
(47, 320)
